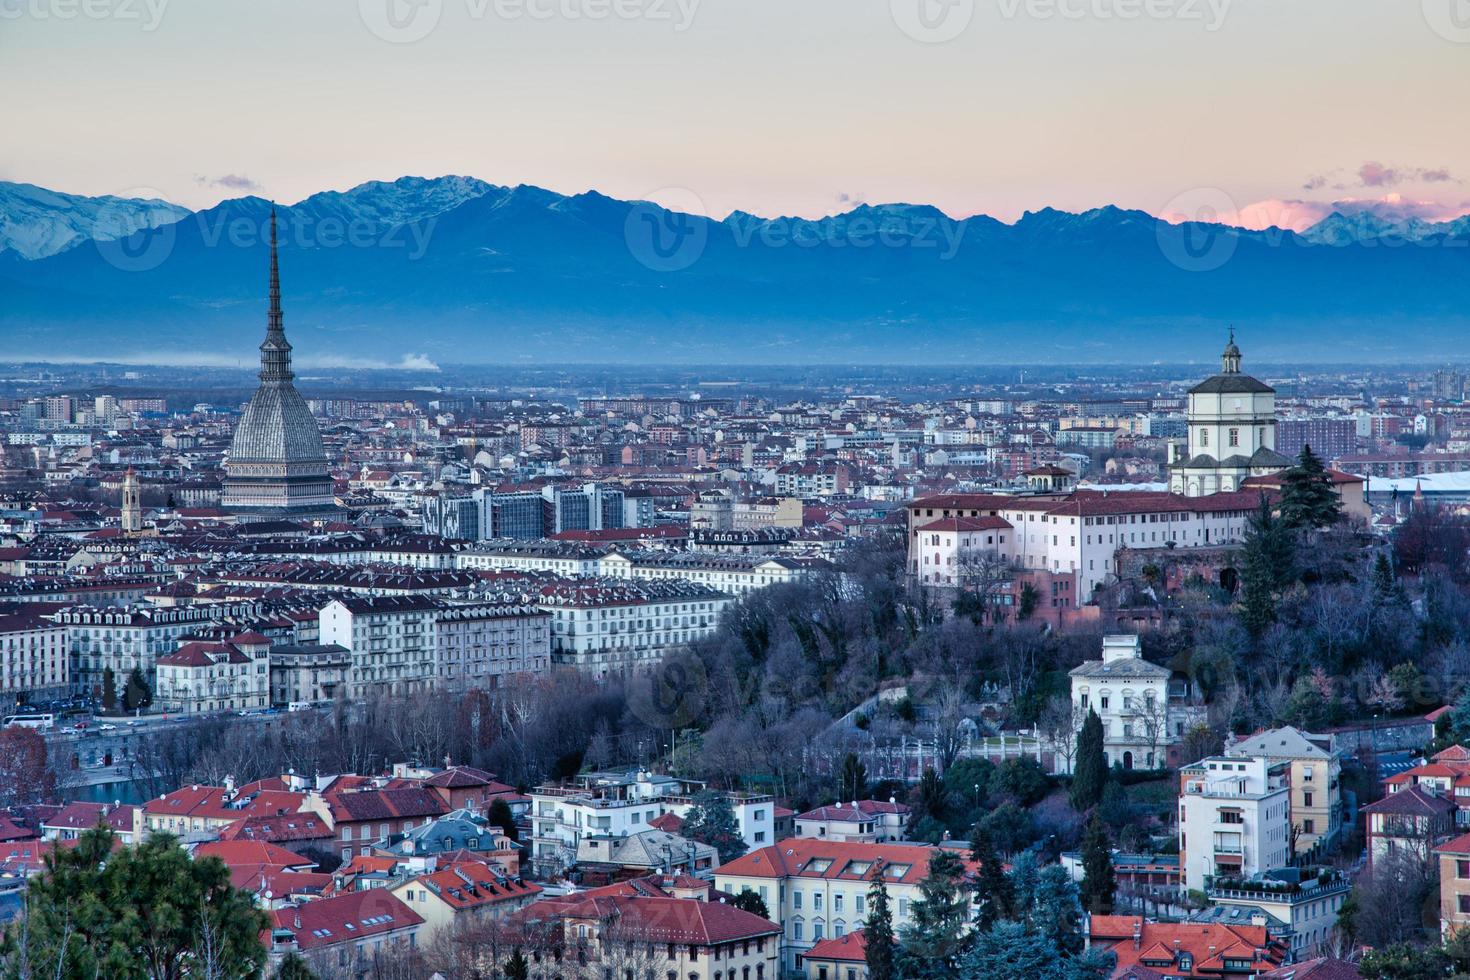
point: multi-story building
(1329, 436)
(1303, 905)
(735, 574)
(125, 637)
(1144, 712)
(35, 658)
(862, 822)
(811, 479)
(308, 672)
(483, 643)
(1454, 884)
(1078, 533)
(1408, 824)
(612, 626)
(1234, 819)
(1446, 774)
(817, 889)
(1315, 775)
(345, 932)
(200, 677)
(618, 804)
(452, 517)
(390, 639)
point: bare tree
(1060, 724)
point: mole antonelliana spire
(277, 467)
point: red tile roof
(851, 947)
(1163, 945)
(802, 857)
(346, 918)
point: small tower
(132, 503)
(1230, 360)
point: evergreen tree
(854, 779)
(994, 897)
(136, 694)
(516, 968)
(1386, 588)
(1010, 952)
(1268, 566)
(109, 691)
(749, 901)
(1090, 771)
(144, 911)
(1307, 498)
(1056, 911)
(879, 948)
(939, 921)
(1024, 879)
(933, 798)
(501, 816)
(711, 820)
(1098, 882)
(293, 967)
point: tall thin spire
(275, 351)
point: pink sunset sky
(1258, 111)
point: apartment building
(1234, 819)
(390, 639)
(121, 638)
(483, 643)
(1315, 771)
(611, 626)
(861, 821)
(619, 804)
(200, 677)
(1454, 884)
(35, 660)
(817, 889)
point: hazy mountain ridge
(36, 222)
(466, 271)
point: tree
(1056, 911)
(711, 820)
(1307, 498)
(109, 690)
(1404, 961)
(25, 776)
(144, 911)
(932, 799)
(853, 781)
(1268, 566)
(293, 967)
(994, 897)
(516, 968)
(500, 815)
(1090, 774)
(879, 948)
(939, 920)
(1098, 880)
(136, 694)
(1009, 952)
(750, 902)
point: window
(1464, 904)
(1234, 437)
(1462, 868)
(1307, 798)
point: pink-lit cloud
(1299, 215)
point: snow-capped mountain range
(469, 272)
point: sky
(1250, 111)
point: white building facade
(1234, 819)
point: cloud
(1295, 214)
(417, 362)
(1374, 174)
(1315, 182)
(234, 182)
(1440, 176)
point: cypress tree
(1090, 772)
(109, 690)
(1098, 881)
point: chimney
(1137, 932)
